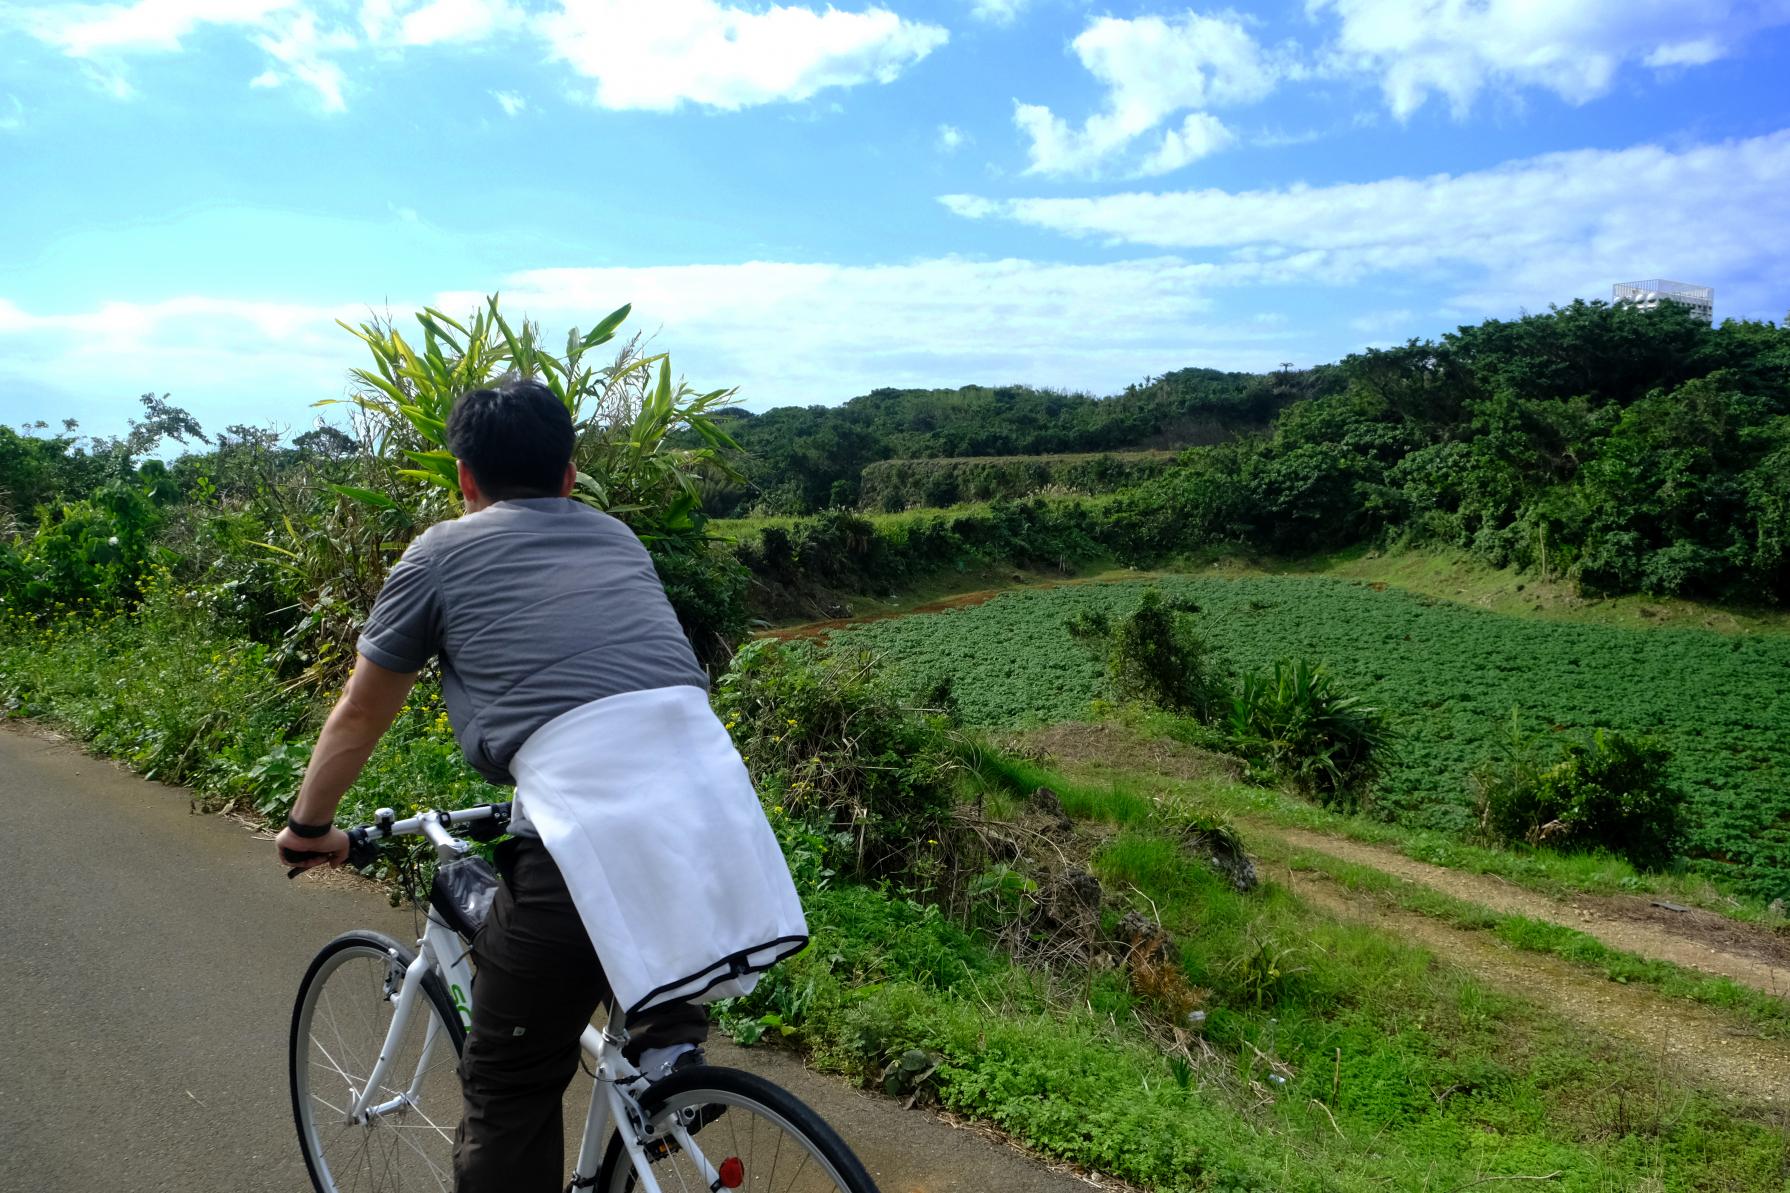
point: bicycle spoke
(764, 1148)
(345, 1026)
(435, 1169)
(800, 1168)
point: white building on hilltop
(1654, 291)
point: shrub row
(894, 485)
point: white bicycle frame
(442, 950)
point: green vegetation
(1545, 871)
(1446, 676)
(894, 485)
(1153, 655)
(1621, 449)
(1607, 792)
(1326, 1056)
(1764, 1013)
(816, 563)
(1068, 964)
(830, 745)
(1292, 722)
(804, 459)
(181, 694)
(1439, 1079)
(1298, 720)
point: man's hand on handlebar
(301, 853)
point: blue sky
(809, 201)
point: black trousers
(538, 983)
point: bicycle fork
(451, 964)
(409, 994)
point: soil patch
(820, 629)
(1706, 1048)
(1116, 748)
(1695, 923)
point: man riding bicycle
(641, 872)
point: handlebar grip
(299, 855)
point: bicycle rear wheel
(753, 1134)
(339, 1024)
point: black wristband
(307, 830)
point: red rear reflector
(732, 1173)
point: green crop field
(1448, 675)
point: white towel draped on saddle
(648, 811)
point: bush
(894, 485)
(1610, 791)
(829, 744)
(707, 587)
(1153, 656)
(1506, 782)
(1298, 721)
(159, 688)
(84, 552)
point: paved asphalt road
(148, 962)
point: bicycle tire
(365, 1014)
(713, 1086)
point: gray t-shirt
(535, 607)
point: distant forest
(1619, 448)
(801, 459)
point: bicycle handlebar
(363, 842)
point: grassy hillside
(1449, 676)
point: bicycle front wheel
(346, 1005)
(751, 1134)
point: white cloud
(112, 82)
(148, 26)
(12, 114)
(807, 332)
(951, 138)
(198, 348)
(1153, 68)
(783, 332)
(998, 12)
(300, 52)
(1574, 48)
(512, 103)
(1200, 134)
(299, 43)
(640, 54)
(398, 23)
(456, 21)
(670, 52)
(1527, 232)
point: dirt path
(1707, 1047)
(1701, 940)
(1702, 1045)
(1695, 939)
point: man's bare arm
(369, 704)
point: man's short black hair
(516, 439)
